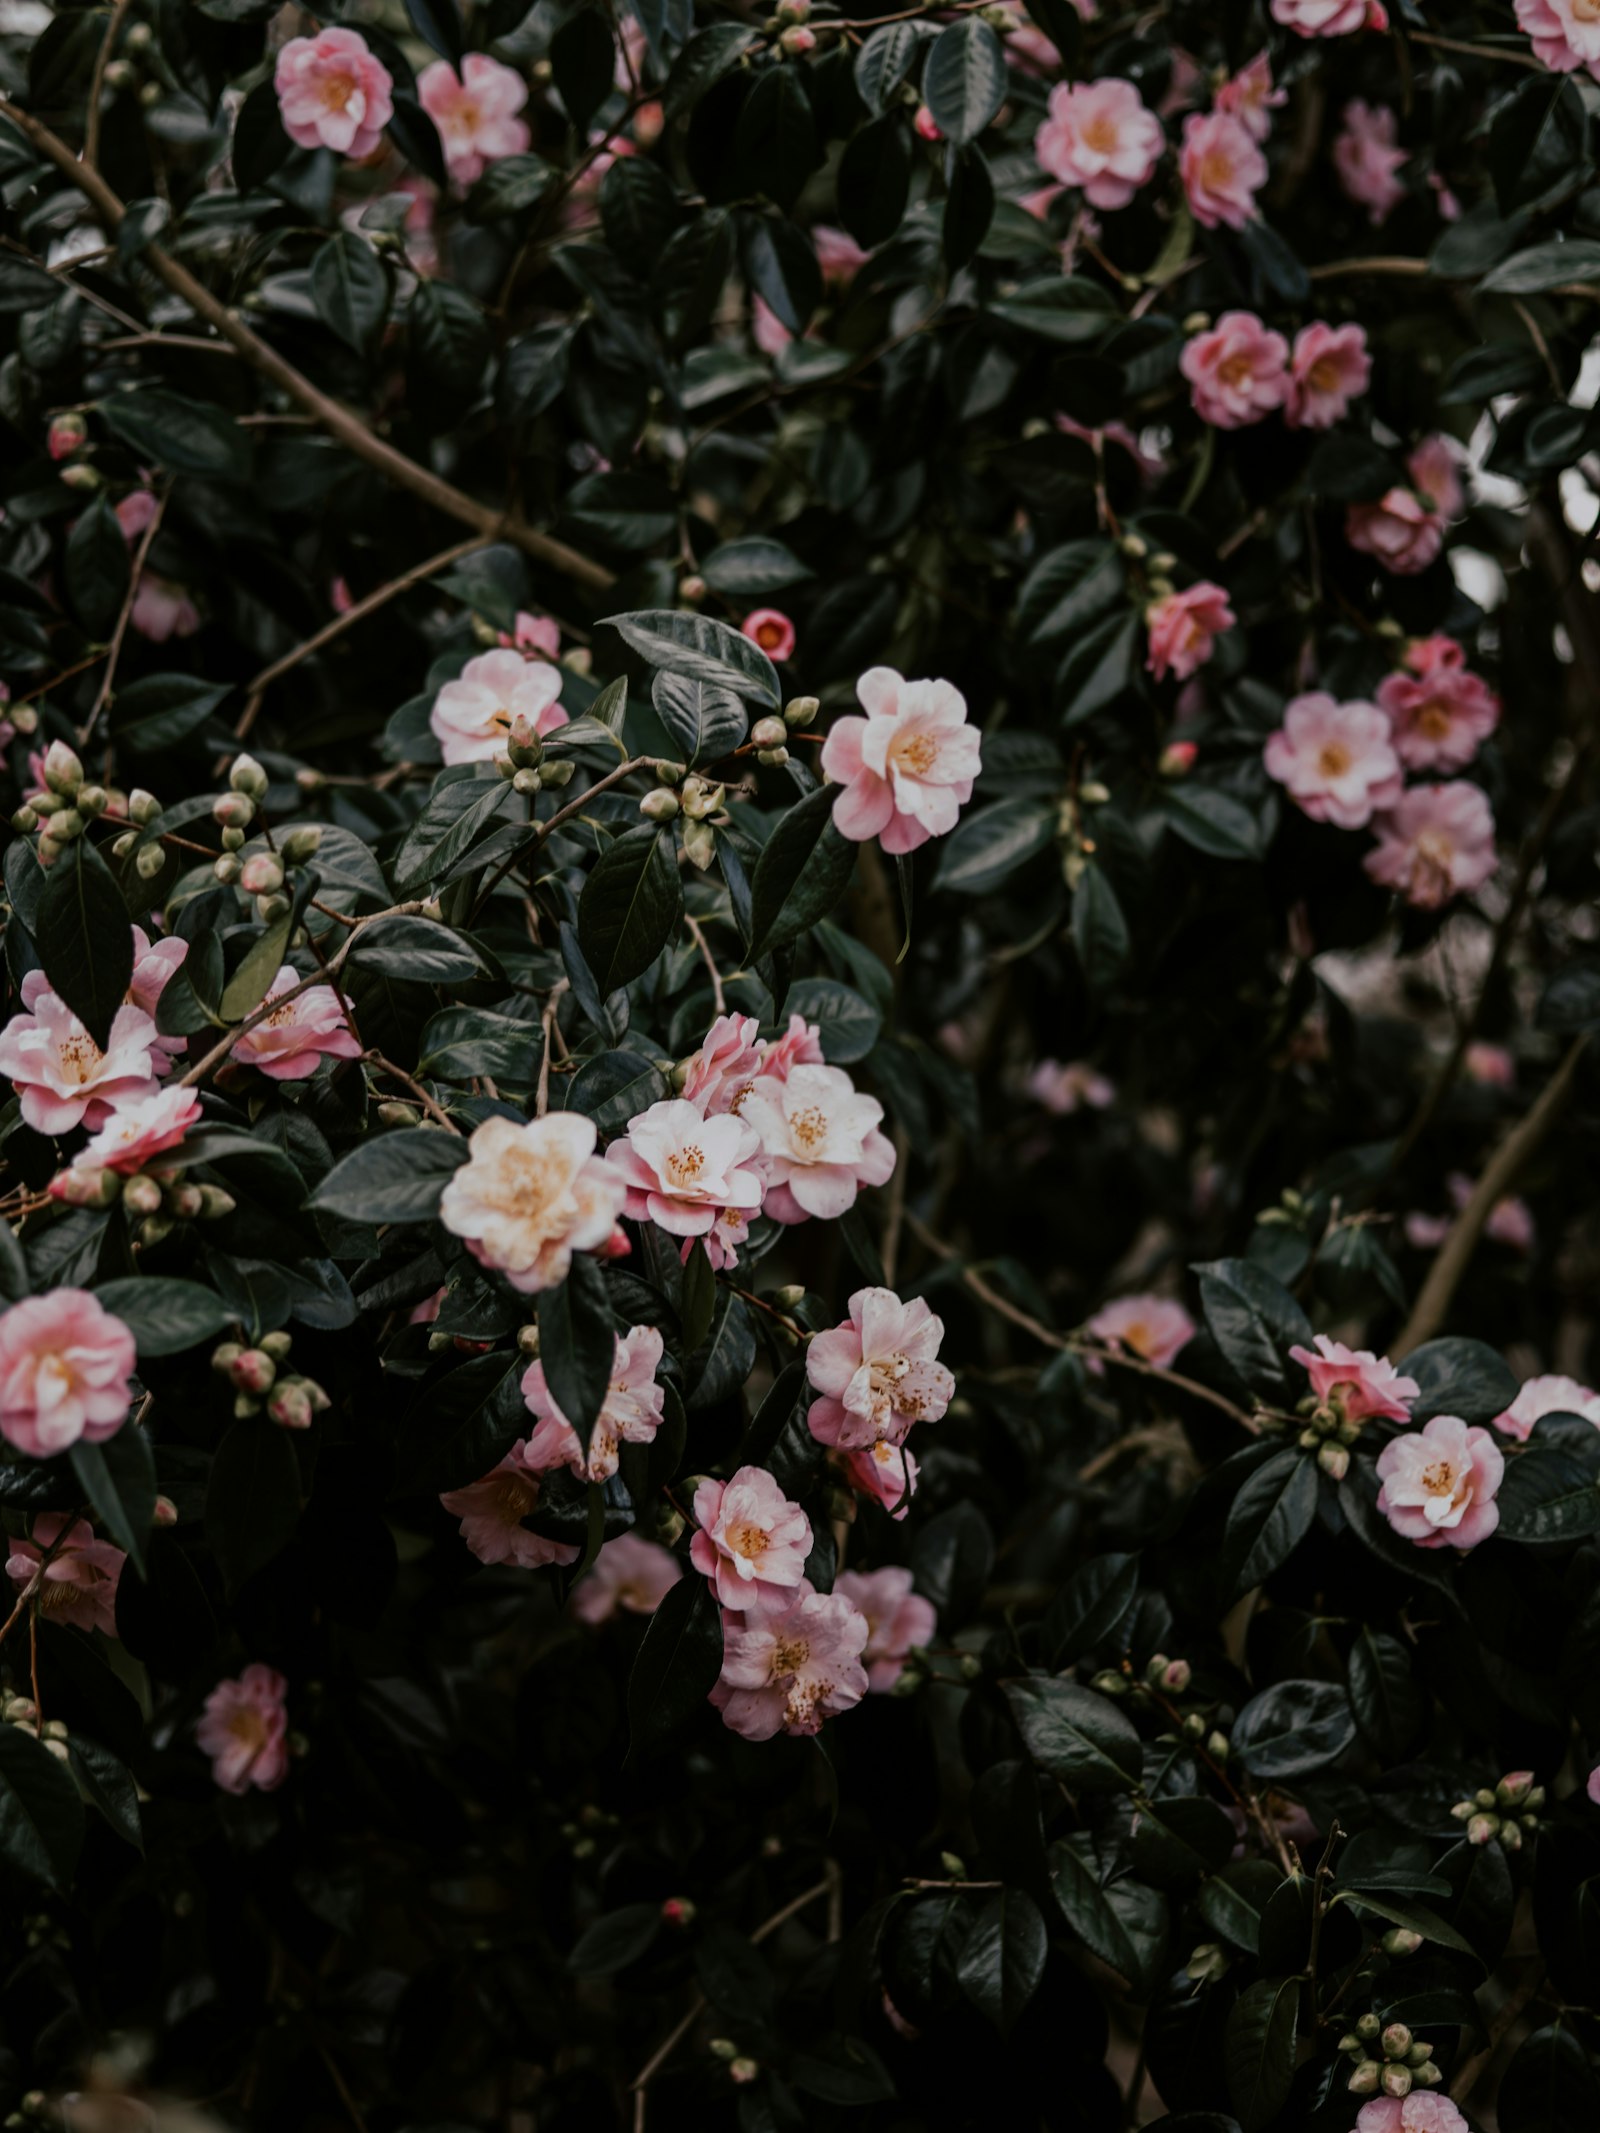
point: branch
(114, 649)
(91, 126)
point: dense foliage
(733, 738)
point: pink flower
(155, 963)
(471, 716)
(717, 1075)
(1222, 170)
(772, 630)
(1336, 760)
(752, 1539)
(476, 113)
(838, 255)
(1251, 98)
(1547, 1396)
(1432, 467)
(800, 1045)
(629, 1572)
(333, 93)
(1151, 1326)
(926, 125)
(1363, 1384)
(1184, 627)
(1423, 2111)
(1490, 1065)
(906, 768)
(885, 1472)
(534, 633)
(1593, 1786)
(1237, 371)
(1401, 530)
(80, 1579)
(1330, 367)
(1441, 712)
(1321, 18)
(161, 610)
(896, 1618)
(1439, 1484)
(529, 1196)
(876, 1373)
(1065, 1089)
(789, 1662)
(683, 1169)
(134, 513)
(767, 330)
(1367, 155)
(299, 1034)
(820, 1141)
(1566, 35)
(631, 1412)
(491, 1511)
(138, 1130)
(65, 1363)
(245, 1727)
(61, 1074)
(1099, 137)
(1437, 841)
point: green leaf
(350, 290)
(1003, 1960)
(1254, 1321)
(463, 1425)
(874, 181)
(164, 1314)
(1391, 1709)
(616, 1940)
(850, 1026)
(1085, 1905)
(709, 54)
(1065, 308)
(702, 649)
(630, 906)
(578, 1345)
(110, 1785)
(1090, 1607)
(698, 1299)
(1293, 1729)
(1544, 266)
(1465, 1378)
(1075, 1734)
(260, 144)
(1419, 1917)
(395, 1177)
(968, 206)
(509, 188)
(1258, 2047)
(752, 568)
(1099, 930)
(985, 848)
(884, 61)
(85, 937)
(438, 23)
(1068, 588)
(1268, 1519)
(462, 1043)
(964, 82)
(448, 340)
(804, 869)
(455, 816)
(252, 981)
(775, 147)
(159, 710)
(175, 430)
(1549, 1495)
(1212, 821)
(677, 1667)
(418, 950)
(41, 1816)
(119, 1479)
(1551, 2085)
(705, 720)
(252, 1498)
(97, 568)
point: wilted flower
(79, 1583)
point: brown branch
(114, 649)
(1512, 56)
(398, 1073)
(91, 126)
(1334, 269)
(547, 1026)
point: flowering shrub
(797, 1312)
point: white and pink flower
(533, 635)
(61, 1075)
(898, 1620)
(1099, 136)
(752, 1539)
(1250, 97)
(1440, 712)
(65, 1362)
(1359, 1383)
(1328, 369)
(472, 715)
(683, 1170)
(630, 1573)
(789, 1661)
(1423, 2111)
(1439, 1484)
(333, 92)
(491, 1511)
(887, 1473)
(1238, 371)
(245, 1730)
(78, 1585)
(1435, 842)
(530, 1195)
(877, 1373)
(1405, 528)
(631, 1412)
(162, 609)
(1336, 761)
(728, 1061)
(137, 1131)
(1152, 1327)
(1327, 18)
(819, 1141)
(907, 768)
(475, 112)
(1565, 34)
(1547, 1396)
(1184, 628)
(290, 1043)
(1368, 157)
(155, 964)
(1222, 169)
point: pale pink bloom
(333, 93)
(1424, 1232)
(61, 1074)
(1402, 530)
(475, 112)
(1100, 137)
(876, 1373)
(1510, 1220)
(630, 1414)
(838, 255)
(1491, 1065)
(819, 1140)
(752, 1539)
(1249, 96)
(299, 1033)
(245, 1728)
(1184, 627)
(1222, 170)
(1237, 371)
(723, 1239)
(161, 609)
(729, 1059)
(629, 1572)
(1367, 155)
(790, 1661)
(1153, 1327)
(800, 1045)
(1449, 206)
(1423, 2111)
(80, 1579)
(1547, 1396)
(138, 1130)
(1363, 1384)
(135, 512)
(1565, 33)
(154, 965)
(885, 1472)
(1432, 467)
(1336, 760)
(897, 1619)
(1440, 713)
(340, 598)
(65, 1363)
(772, 630)
(767, 330)
(1439, 1484)
(471, 716)
(1437, 841)
(1065, 1089)
(1321, 18)
(1330, 367)
(1027, 46)
(530, 1195)
(682, 1169)
(532, 634)
(491, 1511)
(907, 768)
(1593, 1786)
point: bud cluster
(1503, 1813)
(254, 1374)
(1389, 2060)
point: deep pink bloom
(838, 255)
(789, 1661)
(1565, 33)
(60, 1073)
(471, 716)
(293, 1040)
(65, 1363)
(885, 1472)
(683, 1169)
(1184, 627)
(631, 1413)
(1547, 1396)
(771, 630)
(530, 1195)
(897, 1619)
(1367, 155)
(245, 1731)
(135, 512)
(1440, 712)
(1336, 760)
(1222, 169)
(752, 1539)
(491, 1511)
(1321, 18)
(1491, 1065)
(475, 112)
(1100, 137)
(1437, 841)
(1363, 1384)
(1439, 1484)
(819, 1141)
(1151, 1326)
(333, 92)
(629, 1572)
(1432, 467)
(1330, 367)
(1593, 1786)
(1249, 96)
(80, 1580)
(906, 769)
(1237, 371)
(139, 1129)
(767, 330)
(926, 125)
(876, 1373)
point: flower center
(1100, 133)
(248, 1727)
(684, 1165)
(1235, 371)
(916, 754)
(337, 90)
(514, 1498)
(1216, 170)
(79, 1056)
(1433, 718)
(1440, 1478)
(56, 1595)
(747, 1540)
(1334, 760)
(809, 1129)
(1324, 376)
(790, 1658)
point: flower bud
(526, 782)
(1334, 1460)
(253, 1370)
(1510, 1837)
(233, 810)
(25, 821)
(1350, 2042)
(801, 710)
(1364, 2081)
(926, 125)
(1484, 1797)
(226, 1354)
(1513, 1789)
(270, 907)
(1194, 1725)
(769, 733)
(63, 773)
(1419, 2054)
(47, 851)
(393, 1113)
(1217, 1747)
(554, 775)
(80, 475)
(1177, 1676)
(184, 1201)
(524, 745)
(149, 861)
(1207, 1962)
(1368, 2026)
(794, 10)
(57, 1745)
(92, 801)
(24, 717)
(723, 2048)
(659, 805)
(699, 844)
(678, 1912)
(277, 1345)
(1396, 2041)
(1400, 1940)
(165, 1512)
(225, 870)
(247, 776)
(1109, 1683)
(1482, 1827)
(154, 1230)
(438, 1342)
(1396, 2080)
(125, 844)
(67, 434)
(1427, 2076)
(261, 874)
(1535, 1799)
(290, 1406)
(67, 826)
(692, 589)
(141, 1196)
(85, 1188)
(301, 844)
(772, 758)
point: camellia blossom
(683, 1169)
(876, 1373)
(1423, 2111)
(1250, 97)
(79, 1583)
(728, 1061)
(897, 1620)
(162, 610)
(137, 1131)
(1367, 156)
(1547, 1396)
(838, 255)
(1439, 711)
(245, 1731)
(65, 1363)
(1566, 35)
(1361, 1383)
(60, 1074)
(155, 964)
(491, 1511)
(631, 1412)
(1405, 528)
(885, 1472)
(1437, 841)
(906, 768)
(800, 1045)
(1323, 18)
(475, 112)
(771, 630)
(1489, 1064)
(533, 634)
(790, 1661)
(471, 716)
(333, 92)
(1328, 369)
(1069, 1088)
(530, 1195)
(1222, 169)
(1335, 760)
(1152, 1326)
(819, 1141)
(630, 1573)
(1439, 1484)
(293, 1040)
(1237, 371)
(1184, 627)
(752, 1539)
(1099, 136)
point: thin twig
(91, 126)
(398, 1073)
(114, 649)
(547, 1025)
(709, 960)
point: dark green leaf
(964, 81)
(1004, 1958)
(577, 1345)
(119, 1479)
(396, 1177)
(84, 937)
(1269, 1518)
(190, 436)
(41, 1816)
(678, 1664)
(630, 906)
(1254, 1321)
(97, 568)
(252, 1498)
(804, 869)
(1259, 2048)
(1075, 1734)
(1293, 1728)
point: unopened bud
(149, 861)
(1364, 2081)
(63, 773)
(1510, 1836)
(526, 782)
(1207, 1962)
(67, 434)
(692, 589)
(290, 1406)
(1482, 1828)
(1132, 545)
(154, 1230)
(699, 844)
(25, 821)
(723, 2048)
(165, 1512)
(659, 805)
(1514, 1788)
(1396, 2080)
(1484, 1797)
(1427, 2076)
(233, 810)
(1176, 1676)
(277, 1344)
(772, 758)
(1419, 2054)
(801, 710)
(1396, 2041)
(270, 907)
(141, 1196)
(90, 1187)
(125, 844)
(261, 874)
(769, 733)
(301, 844)
(554, 775)
(184, 1201)
(253, 1370)
(393, 1113)
(215, 1203)
(92, 801)
(57, 1747)
(678, 1912)
(80, 475)
(247, 776)
(1334, 1460)
(226, 1354)
(1218, 1747)
(1400, 1940)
